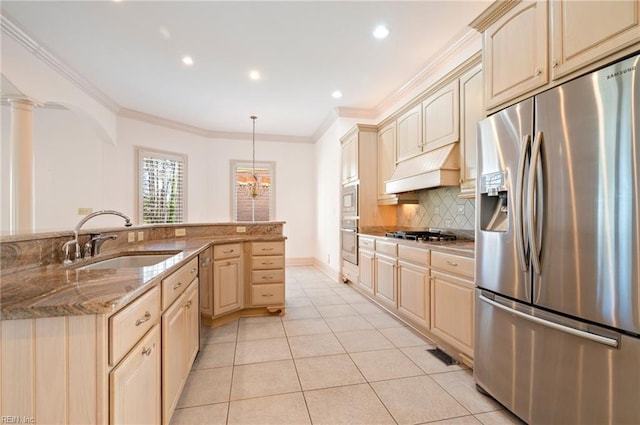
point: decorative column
(22, 166)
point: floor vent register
(444, 357)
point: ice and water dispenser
(493, 202)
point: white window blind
(162, 187)
(246, 207)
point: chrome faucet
(76, 231)
(93, 245)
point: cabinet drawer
(267, 262)
(387, 248)
(176, 283)
(453, 263)
(129, 325)
(232, 250)
(267, 294)
(366, 243)
(268, 248)
(416, 255)
(267, 276)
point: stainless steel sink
(130, 260)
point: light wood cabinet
(350, 158)
(228, 284)
(386, 160)
(413, 286)
(267, 275)
(472, 111)
(584, 32)
(440, 117)
(452, 309)
(366, 275)
(409, 134)
(205, 275)
(135, 384)
(179, 346)
(385, 264)
(515, 53)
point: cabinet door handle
(146, 318)
(537, 72)
(147, 351)
(177, 285)
(452, 263)
(188, 305)
(554, 64)
(193, 270)
(228, 251)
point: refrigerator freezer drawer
(549, 372)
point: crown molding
(199, 131)
(42, 53)
(347, 112)
(462, 41)
(492, 13)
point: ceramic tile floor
(335, 358)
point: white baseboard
(326, 269)
(299, 261)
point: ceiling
(132, 52)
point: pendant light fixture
(250, 183)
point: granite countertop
(464, 248)
(59, 290)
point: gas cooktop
(421, 235)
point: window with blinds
(162, 187)
(246, 206)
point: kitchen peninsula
(93, 336)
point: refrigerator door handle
(519, 213)
(611, 342)
(535, 156)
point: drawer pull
(452, 263)
(267, 263)
(188, 305)
(228, 251)
(146, 318)
(193, 270)
(147, 351)
(267, 249)
(267, 295)
(268, 277)
(177, 285)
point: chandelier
(249, 182)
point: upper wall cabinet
(409, 134)
(471, 111)
(584, 32)
(440, 116)
(386, 159)
(515, 52)
(531, 46)
(350, 158)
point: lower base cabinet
(414, 294)
(179, 347)
(135, 384)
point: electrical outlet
(447, 223)
(85, 211)
(131, 237)
(436, 210)
(181, 232)
(140, 236)
(241, 229)
(460, 209)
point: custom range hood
(438, 167)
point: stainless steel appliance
(421, 235)
(350, 201)
(349, 240)
(558, 252)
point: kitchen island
(111, 345)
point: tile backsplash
(438, 208)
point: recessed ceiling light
(254, 75)
(336, 94)
(187, 60)
(381, 32)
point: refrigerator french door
(558, 252)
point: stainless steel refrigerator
(557, 308)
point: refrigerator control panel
(493, 183)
